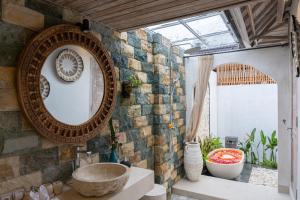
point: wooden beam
(273, 37)
(240, 24)
(266, 19)
(152, 18)
(132, 14)
(265, 10)
(267, 26)
(106, 12)
(280, 10)
(166, 9)
(135, 6)
(256, 7)
(251, 18)
(277, 26)
(273, 42)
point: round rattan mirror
(84, 61)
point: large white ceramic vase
(193, 161)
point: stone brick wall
(168, 145)
(28, 159)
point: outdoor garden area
(259, 154)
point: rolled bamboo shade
(239, 74)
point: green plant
(251, 149)
(135, 81)
(272, 146)
(248, 147)
(209, 144)
(263, 140)
(269, 164)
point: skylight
(205, 32)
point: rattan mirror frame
(28, 84)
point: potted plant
(207, 145)
(132, 82)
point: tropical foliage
(209, 144)
(269, 145)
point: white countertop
(140, 182)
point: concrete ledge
(211, 188)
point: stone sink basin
(99, 179)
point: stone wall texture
(27, 159)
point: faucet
(76, 161)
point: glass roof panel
(208, 25)
(205, 31)
(175, 33)
(159, 25)
(191, 43)
(220, 40)
(186, 46)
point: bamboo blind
(238, 74)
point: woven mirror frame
(29, 72)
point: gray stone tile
(18, 144)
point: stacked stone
(135, 113)
(28, 159)
(168, 143)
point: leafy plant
(273, 142)
(263, 140)
(251, 149)
(272, 146)
(209, 144)
(248, 147)
(269, 164)
(135, 81)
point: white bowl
(226, 171)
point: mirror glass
(71, 85)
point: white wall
(244, 107)
(68, 102)
(275, 63)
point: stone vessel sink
(100, 179)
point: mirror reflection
(71, 85)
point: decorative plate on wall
(44, 87)
(69, 65)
